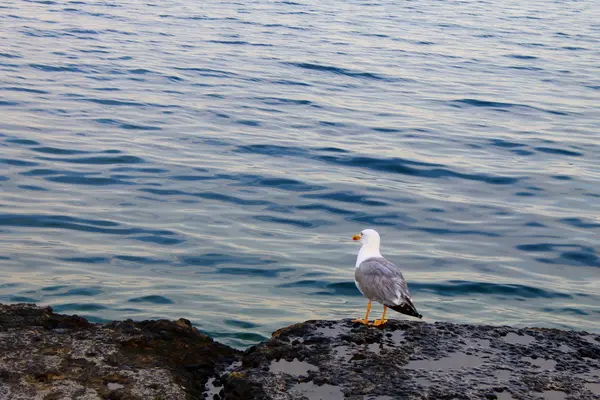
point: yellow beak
(356, 237)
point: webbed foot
(379, 322)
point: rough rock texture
(414, 360)
(48, 356)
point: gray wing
(380, 280)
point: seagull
(380, 280)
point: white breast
(365, 253)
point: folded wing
(381, 281)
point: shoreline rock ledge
(49, 356)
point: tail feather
(407, 308)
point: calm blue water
(211, 160)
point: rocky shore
(50, 356)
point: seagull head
(368, 238)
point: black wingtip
(407, 309)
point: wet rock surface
(414, 360)
(49, 356)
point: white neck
(367, 251)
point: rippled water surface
(211, 160)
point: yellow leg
(381, 321)
(366, 320)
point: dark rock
(415, 360)
(49, 356)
